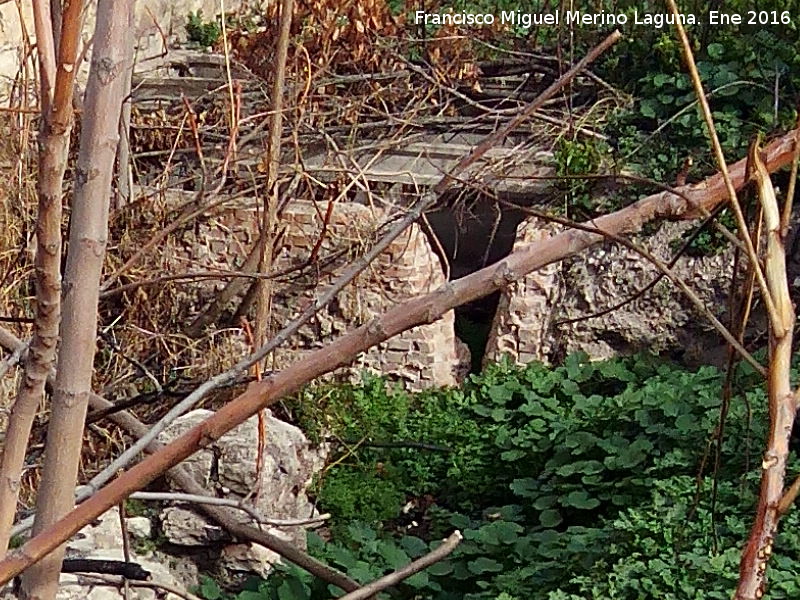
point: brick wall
(429, 355)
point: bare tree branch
(720, 156)
(269, 214)
(237, 504)
(410, 569)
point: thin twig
(410, 569)
(787, 205)
(720, 156)
(252, 512)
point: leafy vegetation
(202, 32)
(568, 483)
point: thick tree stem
(88, 236)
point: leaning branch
(417, 311)
(423, 562)
(782, 401)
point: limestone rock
(139, 527)
(527, 325)
(228, 468)
(186, 528)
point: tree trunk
(56, 101)
(88, 237)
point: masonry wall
(425, 356)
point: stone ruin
(425, 356)
(534, 319)
(528, 323)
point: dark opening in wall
(473, 325)
(469, 236)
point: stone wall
(429, 355)
(522, 327)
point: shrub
(574, 482)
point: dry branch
(423, 562)
(224, 516)
(716, 146)
(230, 502)
(417, 311)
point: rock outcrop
(541, 317)
(227, 468)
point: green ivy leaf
(647, 109)
(414, 546)
(441, 568)
(291, 589)
(550, 518)
(661, 79)
(715, 50)
(394, 556)
(209, 588)
(525, 487)
(483, 565)
(581, 499)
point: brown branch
(417, 311)
(237, 504)
(185, 481)
(410, 569)
(344, 279)
(652, 283)
(121, 582)
(782, 401)
(787, 205)
(269, 218)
